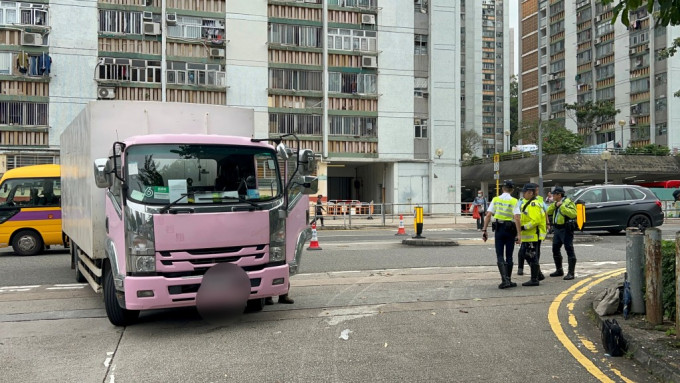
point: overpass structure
(572, 170)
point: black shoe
(268, 301)
(557, 273)
(520, 271)
(504, 277)
(286, 299)
(541, 276)
(571, 272)
(508, 269)
(534, 276)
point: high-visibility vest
(503, 208)
(533, 217)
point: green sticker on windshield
(161, 192)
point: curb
(656, 367)
(429, 242)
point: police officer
(532, 217)
(563, 212)
(505, 214)
(543, 232)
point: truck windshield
(201, 174)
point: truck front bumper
(157, 292)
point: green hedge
(668, 278)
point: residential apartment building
(485, 100)
(367, 84)
(572, 53)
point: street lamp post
(540, 156)
(622, 123)
(606, 155)
(507, 136)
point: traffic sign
(496, 176)
(496, 166)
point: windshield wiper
(167, 207)
(239, 199)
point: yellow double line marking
(559, 332)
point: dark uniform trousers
(505, 235)
(563, 236)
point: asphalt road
(367, 309)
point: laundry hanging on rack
(44, 64)
(22, 62)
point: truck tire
(118, 316)
(27, 242)
(254, 305)
(80, 278)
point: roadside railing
(369, 213)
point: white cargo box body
(91, 135)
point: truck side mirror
(102, 173)
(307, 162)
(310, 185)
(282, 150)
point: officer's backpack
(612, 338)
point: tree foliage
(556, 138)
(470, 142)
(514, 111)
(589, 114)
(651, 149)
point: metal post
(349, 212)
(325, 124)
(540, 156)
(635, 248)
(382, 213)
(605, 172)
(654, 291)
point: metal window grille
(23, 113)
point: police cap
(508, 184)
(676, 194)
(529, 186)
(558, 190)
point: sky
(513, 24)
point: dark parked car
(616, 207)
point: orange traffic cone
(401, 230)
(314, 243)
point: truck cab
(178, 205)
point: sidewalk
(656, 348)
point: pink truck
(177, 190)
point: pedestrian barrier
(314, 243)
(402, 230)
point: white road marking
(19, 287)
(70, 284)
(337, 316)
(65, 288)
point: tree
(470, 142)
(514, 111)
(590, 114)
(556, 138)
(668, 13)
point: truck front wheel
(27, 242)
(118, 316)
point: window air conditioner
(217, 52)
(368, 19)
(598, 40)
(369, 62)
(152, 29)
(106, 93)
(34, 39)
(171, 18)
(632, 51)
(598, 62)
(598, 18)
(552, 116)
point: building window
(420, 45)
(23, 13)
(352, 40)
(182, 73)
(420, 87)
(5, 63)
(291, 79)
(197, 28)
(353, 126)
(301, 36)
(120, 22)
(306, 124)
(348, 3)
(23, 113)
(420, 125)
(118, 69)
(661, 104)
(352, 83)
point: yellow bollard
(418, 221)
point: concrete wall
(445, 102)
(570, 63)
(247, 59)
(622, 71)
(395, 80)
(473, 68)
(673, 106)
(74, 57)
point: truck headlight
(141, 248)
(277, 242)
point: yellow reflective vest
(503, 208)
(533, 216)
